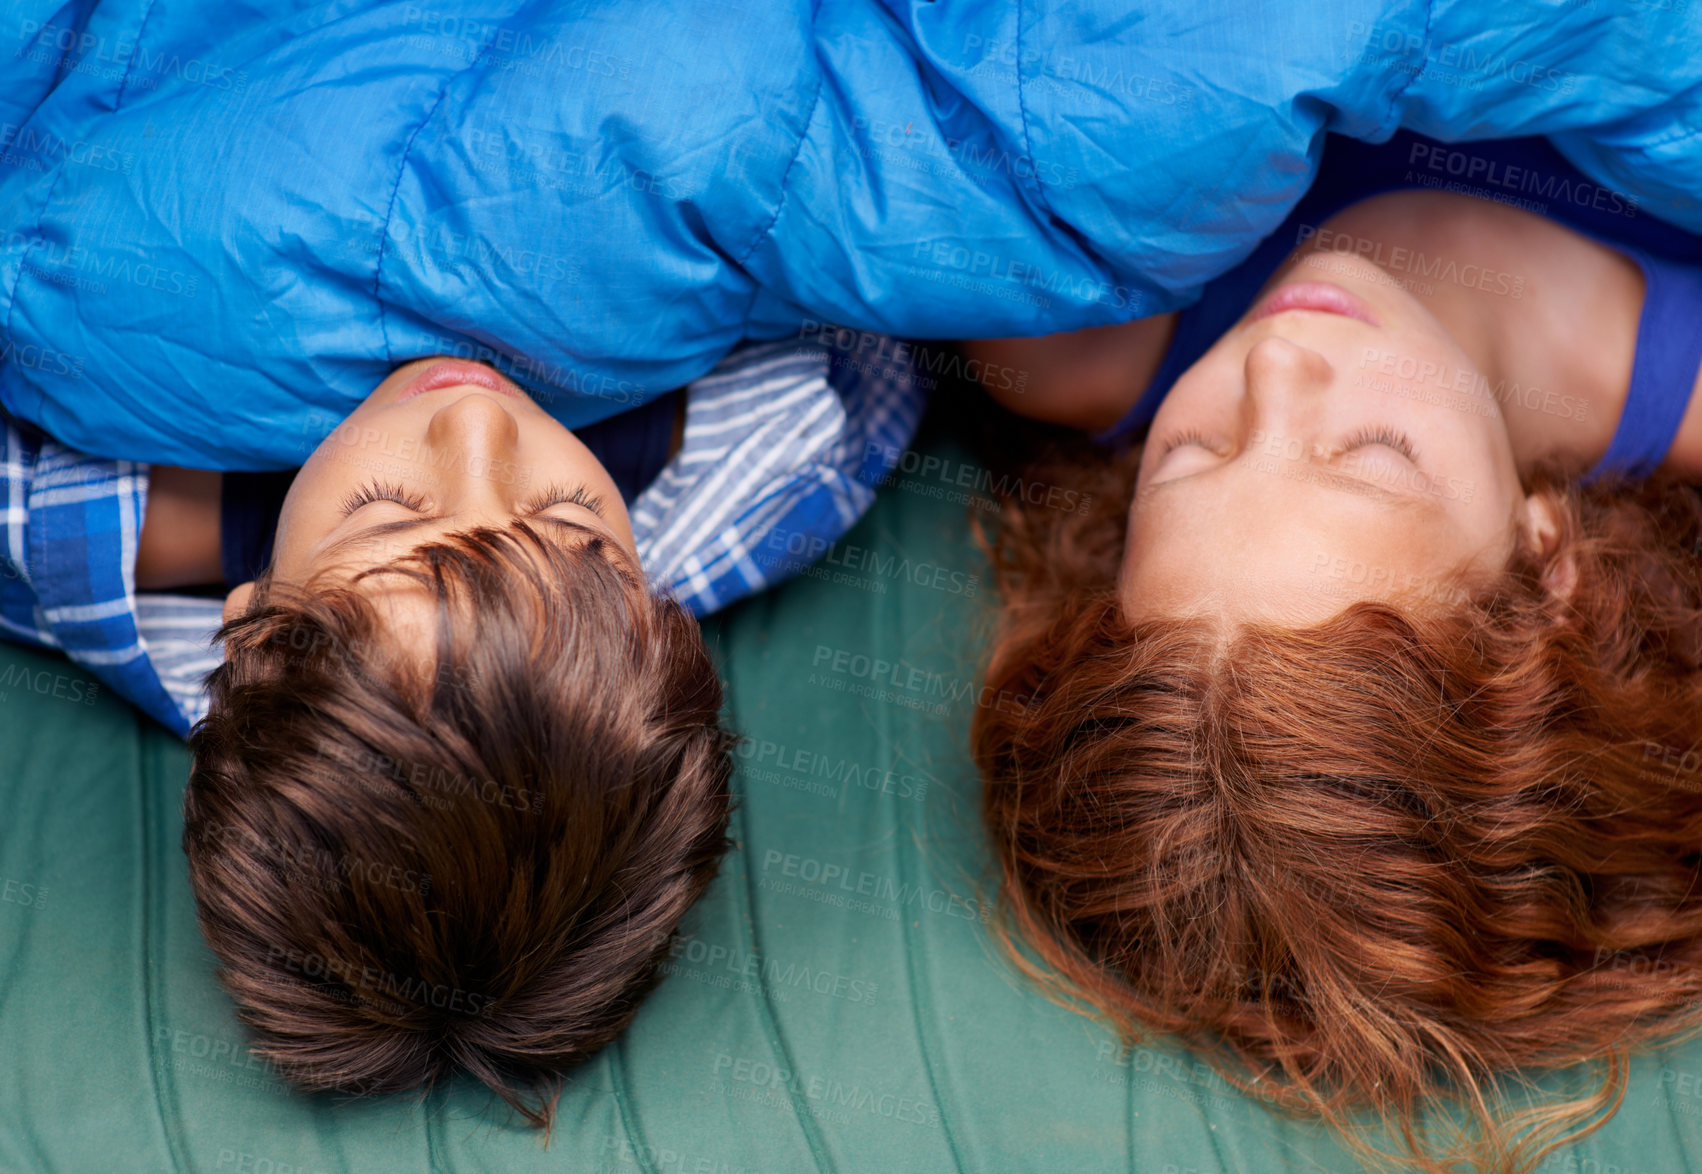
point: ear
(237, 601)
(1541, 526)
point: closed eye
(375, 536)
(1392, 437)
(1189, 436)
(382, 491)
(559, 494)
(550, 495)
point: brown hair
(1385, 860)
(477, 866)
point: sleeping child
(461, 769)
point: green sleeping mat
(835, 1003)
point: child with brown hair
(462, 767)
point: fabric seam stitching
(130, 65)
(785, 176)
(1022, 111)
(396, 191)
(1394, 99)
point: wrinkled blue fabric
(222, 224)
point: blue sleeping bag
(222, 224)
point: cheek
(1143, 471)
(385, 392)
(1478, 470)
(1481, 515)
(289, 514)
(312, 507)
(1189, 404)
(291, 543)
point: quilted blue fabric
(222, 224)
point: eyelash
(1389, 436)
(549, 495)
(381, 491)
(1191, 436)
(1394, 439)
(559, 494)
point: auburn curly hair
(1385, 860)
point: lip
(456, 373)
(1321, 297)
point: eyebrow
(374, 534)
(1339, 482)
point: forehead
(1291, 471)
(1254, 546)
(403, 539)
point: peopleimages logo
(48, 683)
(1473, 386)
(81, 51)
(824, 773)
(976, 479)
(796, 549)
(836, 1093)
(1469, 64)
(908, 358)
(44, 359)
(881, 138)
(506, 46)
(827, 875)
(54, 262)
(907, 680)
(19, 142)
(1473, 168)
(1471, 275)
(24, 893)
(766, 970)
(960, 258)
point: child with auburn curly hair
(1361, 707)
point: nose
(473, 443)
(1285, 386)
